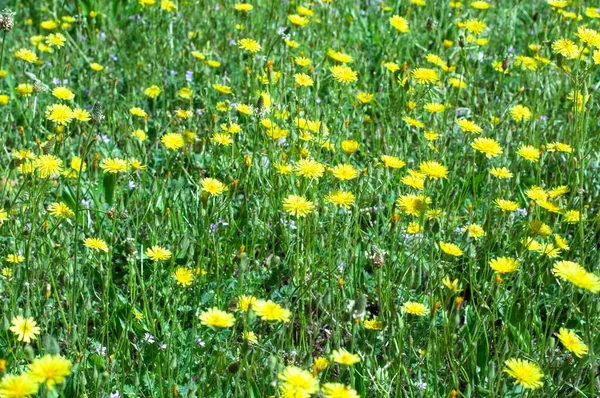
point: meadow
(329, 198)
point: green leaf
(110, 180)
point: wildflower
(172, 141)
(343, 74)
(414, 228)
(489, 146)
(302, 61)
(425, 75)
(566, 47)
(270, 311)
(222, 139)
(452, 285)
(536, 193)
(243, 7)
(340, 57)
(183, 276)
(114, 165)
(572, 216)
(298, 381)
(26, 55)
(501, 172)
(434, 170)
(412, 204)
(21, 386)
(309, 168)
(526, 373)
(168, 5)
(364, 98)
(433, 107)
(96, 66)
(185, 93)
(152, 91)
(135, 111)
(96, 244)
(59, 114)
(303, 79)
(504, 265)
(572, 342)
(245, 302)
(400, 24)
(157, 253)
(343, 357)
(222, 89)
(344, 172)
(63, 93)
(81, 115)
(506, 205)
(391, 66)
(48, 166)
(298, 19)
(392, 162)
(340, 198)
(350, 146)
(213, 186)
(50, 369)
(338, 390)
(451, 249)
(60, 210)
(480, 5)
(414, 179)
(244, 109)
(373, 324)
(559, 147)
(24, 90)
(577, 275)
(475, 231)
(520, 113)
(469, 126)
(413, 308)
(529, 152)
(15, 258)
(413, 122)
(474, 26)
(216, 318)
(25, 329)
(249, 45)
(298, 206)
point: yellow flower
(529, 152)
(213, 186)
(489, 146)
(309, 168)
(411, 307)
(452, 285)
(60, 210)
(343, 357)
(343, 74)
(520, 113)
(566, 47)
(425, 75)
(474, 26)
(63, 93)
(451, 249)
(303, 79)
(48, 166)
(298, 206)
(50, 369)
(526, 373)
(152, 91)
(243, 7)
(114, 165)
(21, 386)
(216, 318)
(245, 302)
(340, 57)
(399, 23)
(59, 114)
(96, 244)
(413, 205)
(96, 67)
(475, 231)
(298, 382)
(338, 390)
(373, 324)
(506, 205)
(157, 253)
(504, 265)
(270, 311)
(469, 126)
(172, 141)
(25, 329)
(249, 45)
(364, 98)
(392, 162)
(572, 342)
(298, 19)
(168, 5)
(15, 258)
(183, 276)
(344, 172)
(340, 198)
(222, 139)
(434, 170)
(501, 172)
(577, 275)
(26, 55)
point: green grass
(323, 266)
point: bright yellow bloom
(451, 249)
(50, 369)
(213, 186)
(26, 329)
(413, 308)
(298, 206)
(572, 342)
(216, 318)
(526, 373)
(343, 357)
(157, 253)
(270, 311)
